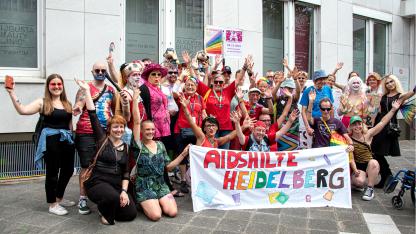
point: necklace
(219, 99)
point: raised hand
(218, 59)
(184, 101)
(285, 62)
(396, 104)
(235, 117)
(249, 122)
(312, 95)
(82, 84)
(339, 65)
(287, 93)
(295, 73)
(239, 92)
(110, 59)
(136, 93)
(185, 56)
(294, 115)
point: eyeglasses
(266, 120)
(155, 74)
(218, 82)
(325, 109)
(100, 70)
(210, 126)
(173, 72)
(58, 84)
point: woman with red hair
(374, 94)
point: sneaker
(83, 207)
(368, 194)
(66, 203)
(184, 187)
(357, 189)
(58, 210)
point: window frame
(32, 75)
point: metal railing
(17, 161)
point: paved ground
(23, 210)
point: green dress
(150, 183)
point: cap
(288, 83)
(355, 118)
(319, 74)
(254, 90)
(226, 69)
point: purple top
(321, 135)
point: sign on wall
(228, 42)
(227, 179)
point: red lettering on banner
(212, 156)
(268, 164)
(291, 157)
(280, 157)
(243, 162)
(252, 159)
(230, 162)
(228, 180)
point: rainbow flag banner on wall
(229, 179)
(213, 40)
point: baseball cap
(288, 83)
(254, 90)
(227, 69)
(355, 118)
(319, 74)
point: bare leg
(372, 171)
(169, 206)
(81, 185)
(152, 209)
(359, 181)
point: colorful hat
(136, 66)
(355, 118)
(260, 123)
(154, 67)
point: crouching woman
(108, 184)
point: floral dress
(150, 168)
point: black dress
(384, 144)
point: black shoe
(184, 187)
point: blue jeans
(222, 133)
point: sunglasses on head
(172, 72)
(218, 82)
(325, 109)
(100, 70)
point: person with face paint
(55, 143)
(104, 100)
(374, 93)
(386, 142)
(322, 91)
(363, 166)
(353, 101)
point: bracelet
(123, 190)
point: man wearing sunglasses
(103, 97)
(323, 126)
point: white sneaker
(66, 203)
(368, 194)
(58, 210)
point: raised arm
(337, 68)
(279, 77)
(285, 64)
(293, 116)
(236, 119)
(197, 130)
(114, 74)
(30, 109)
(286, 109)
(248, 64)
(136, 115)
(178, 159)
(403, 97)
(386, 119)
(312, 97)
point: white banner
(228, 179)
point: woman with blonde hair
(386, 142)
(353, 101)
(55, 143)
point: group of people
(133, 132)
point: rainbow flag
(214, 44)
(408, 111)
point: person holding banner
(325, 125)
(364, 166)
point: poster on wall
(233, 43)
(213, 40)
(302, 40)
(403, 76)
(229, 179)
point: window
(142, 30)
(273, 47)
(189, 28)
(370, 46)
(359, 48)
(304, 37)
(19, 33)
(379, 49)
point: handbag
(88, 172)
(393, 129)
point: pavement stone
(23, 210)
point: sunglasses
(325, 109)
(59, 84)
(155, 74)
(265, 120)
(100, 70)
(173, 72)
(218, 82)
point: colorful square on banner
(206, 192)
(282, 198)
(273, 197)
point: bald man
(104, 100)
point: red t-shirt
(219, 109)
(272, 137)
(254, 111)
(196, 106)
